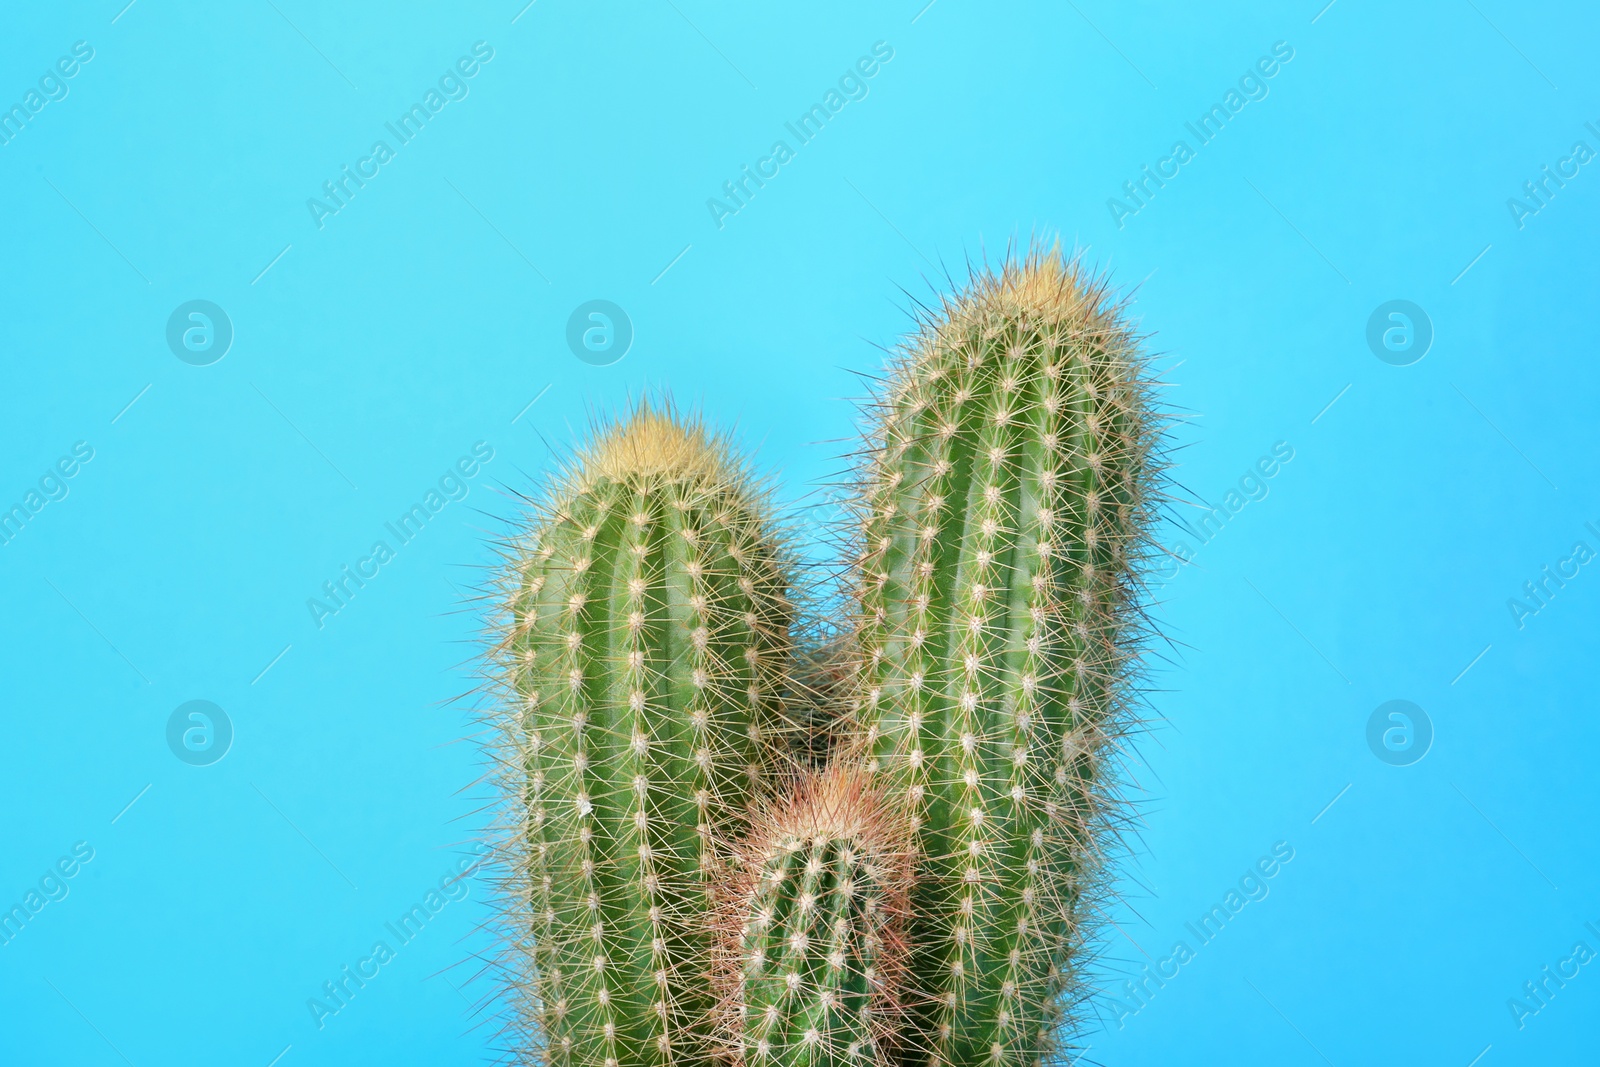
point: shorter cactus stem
(648, 643)
(811, 930)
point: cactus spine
(1006, 496)
(811, 937)
(649, 648)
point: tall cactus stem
(1008, 492)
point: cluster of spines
(823, 674)
(649, 652)
(811, 938)
(1006, 498)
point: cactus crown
(655, 441)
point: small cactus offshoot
(811, 938)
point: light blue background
(428, 313)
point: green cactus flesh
(1006, 497)
(651, 641)
(812, 932)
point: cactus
(649, 648)
(1007, 496)
(810, 938)
(668, 701)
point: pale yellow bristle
(652, 442)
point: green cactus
(649, 645)
(811, 936)
(1007, 498)
(665, 707)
